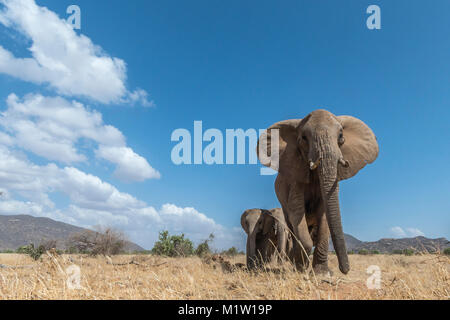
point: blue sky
(233, 64)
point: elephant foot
(322, 269)
(301, 267)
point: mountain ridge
(21, 230)
(390, 245)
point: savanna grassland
(154, 277)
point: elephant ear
(278, 217)
(268, 222)
(289, 162)
(360, 147)
(244, 222)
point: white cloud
(52, 127)
(95, 202)
(130, 166)
(138, 96)
(399, 232)
(69, 63)
(414, 232)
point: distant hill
(390, 245)
(21, 230)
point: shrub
(173, 246)
(397, 251)
(142, 252)
(203, 248)
(375, 252)
(33, 252)
(351, 252)
(107, 242)
(447, 251)
(232, 252)
(36, 253)
(363, 252)
(408, 252)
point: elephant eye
(341, 140)
(304, 138)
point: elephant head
(335, 147)
(259, 225)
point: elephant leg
(271, 252)
(296, 214)
(260, 253)
(292, 199)
(302, 242)
(320, 259)
(264, 252)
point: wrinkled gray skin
(315, 153)
(267, 235)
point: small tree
(37, 252)
(408, 252)
(232, 252)
(106, 242)
(363, 252)
(33, 252)
(173, 246)
(447, 251)
(203, 248)
(182, 246)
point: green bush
(232, 252)
(33, 252)
(408, 252)
(397, 251)
(350, 252)
(447, 251)
(203, 248)
(363, 252)
(142, 252)
(173, 246)
(37, 252)
(375, 252)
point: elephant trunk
(330, 194)
(251, 248)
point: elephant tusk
(314, 165)
(344, 163)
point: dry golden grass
(150, 277)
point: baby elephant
(267, 236)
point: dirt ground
(224, 278)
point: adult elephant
(314, 154)
(267, 235)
